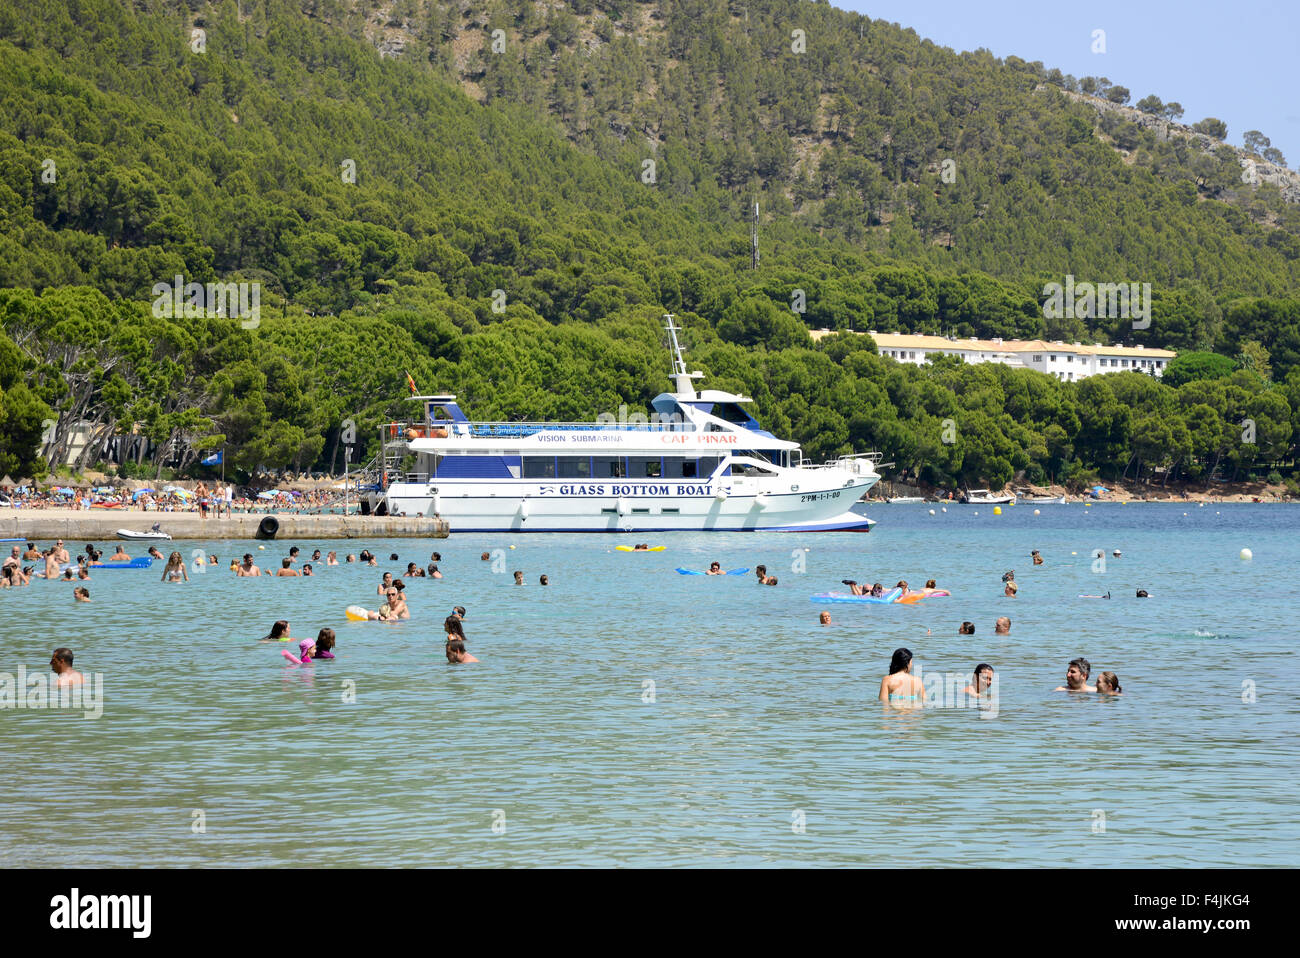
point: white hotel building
(1065, 361)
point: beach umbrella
(6, 481)
(266, 494)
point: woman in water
(900, 685)
(385, 585)
(982, 680)
(455, 631)
(433, 571)
(175, 569)
(967, 628)
(279, 632)
(1108, 684)
(715, 568)
(332, 558)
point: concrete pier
(101, 525)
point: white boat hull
(649, 506)
(142, 536)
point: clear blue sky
(1236, 61)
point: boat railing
(851, 463)
(444, 429)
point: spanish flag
(410, 382)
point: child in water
(456, 653)
(325, 644)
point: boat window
(675, 467)
(644, 467)
(707, 465)
(608, 467)
(575, 467)
(732, 413)
(539, 467)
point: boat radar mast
(680, 375)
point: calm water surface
(760, 720)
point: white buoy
(1246, 554)
(931, 512)
(1035, 512)
(945, 508)
(977, 513)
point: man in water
(519, 578)
(286, 568)
(825, 618)
(154, 553)
(61, 554)
(1002, 626)
(545, 581)
(247, 568)
(15, 557)
(293, 555)
(1076, 677)
(1038, 560)
(61, 664)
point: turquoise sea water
(764, 743)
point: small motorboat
(982, 497)
(905, 500)
(153, 535)
(1042, 500)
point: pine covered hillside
(505, 197)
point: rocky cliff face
(1287, 181)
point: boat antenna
(680, 375)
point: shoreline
(102, 525)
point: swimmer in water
(435, 557)
(413, 571)
(154, 553)
(485, 557)
(900, 685)
(332, 558)
(455, 631)
(385, 584)
(760, 572)
(967, 628)
(1108, 684)
(432, 572)
(770, 580)
(120, 555)
(1106, 596)
(1002, 626)
(456, 653)
(350, 558)
(247, 568)
(61, 665)
(641, 547)
(1076, 677)
(1038, 560)
(279, 632)
(1143, 594)
(825, 618)
(307, 569)
(715, 568)
(175, 570)
(286, 568)
(519, 578)
(325, 644)
(315, 556)
(544, 581)
(930, 584)
(81, 594)
(981, 680)
(1011, 589)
